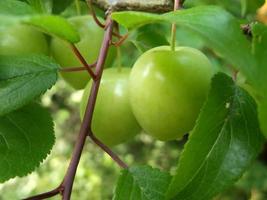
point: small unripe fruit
(113, 121)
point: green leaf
(259, 32)
(149, 36)
(239, 8)
(222, 145)
(26, 138)
(24, 78)
(14, 7)
(259, 82)
(60, 5)
(219, 29)
(37, 5)
(12, 11)
(54, 25)
(142, 183)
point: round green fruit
(22, 40)
(89, 46)
(113, 121)
(167, 90)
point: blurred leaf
(255, 177)
(71, 10)
(259, 82)
(239, 8)
(26, 138)
(142, 183)
(221, 146)
(24, 78)
(211, 23)
(60, 5)
(14, 7)
(37, 5)
(186, 37)
(150, 36)
(12, 11)
(259, 32)
(54, 25)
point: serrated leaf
(54, 25)
(225, 140)
(142, 183)
(24, 78)
(26, 138)
(219, 29)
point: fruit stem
(91, 8)
(78, 7)
(173, 29)
(119, 65)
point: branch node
(97, 21)
(82, 60)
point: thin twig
(97, 21)
(86, 123)
(65, 188)
(74, 69)
(121, 40)
(46, 194)
(82, 60)
(105, 148)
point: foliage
(224, 142)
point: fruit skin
(91, 40)
(113, 121)
(22, 40)
(167, 90)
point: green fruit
(167, 90)
(89, 46)
(113, 121)
(22, 40)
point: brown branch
(82, 60)
(65, 188)
(74, 69)
(158, 6)
(105, 148)
(97, 21)
(86, 123)
(46, 195)
(121, 40)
